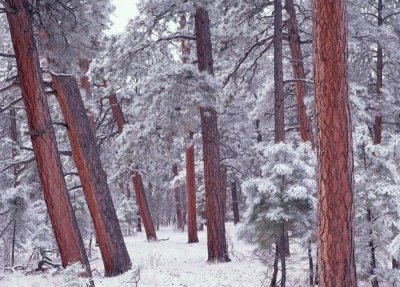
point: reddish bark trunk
(93, 178)
(216, 240)
(178, 206)
(117, 112)
(85, 84)
(49, 166)
(235, 203)
(298, 72)
(143, 207)
(191, 191)
(335, 211)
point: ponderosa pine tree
(335, 210)
(62, 217)
(93, 178)
(216, 238)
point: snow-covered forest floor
(173, 262)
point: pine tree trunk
(379, 82)
(84, 81)
(298, 72)
(141, 201)
(335, 198)
(216, 241)
(283, 242)
(371, 245)
(274, 278)
(191, 191)
(279, 107)
(223, 187)
(14, 138)
(310, 264)
(116, 111)
(93, 178)
(178, 207)
(216, 238)
(139, 222)
(235, 203)
(49, 166)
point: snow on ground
(174, 262)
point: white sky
(124, 10)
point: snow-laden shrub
(281, 196)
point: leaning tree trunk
(191, 191)
(93, 178)
(141, 201)
(335, 198)
(216, 238)
(298, 73)
(43, 139)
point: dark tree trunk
(371, 245)
(14, 138)
(117, 112)
(178, 206)
(93, 178)
(223, 187)
(310, 264)
(235, 202)
(143, 207)
(279, 107)
(274, 278)
(139, 222)
(216, 239)
(191, 191)
(379, 82)
(49, 166)
(13, 243)
(335, 197)
(298, 72)
(282, 253)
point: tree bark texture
(235, 202)
(191, 191)
(223, 181)
(298, 72)
(216, 238)
(92, 176)
(177, 195)
(335, 210)
(117, 112)
(379, 82)
(141, 201)
(43, 139)
(14, 138)
(279, 107)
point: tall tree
(335, 210)
(298, 72)
(93, 178)
(216, 238)
(42, 135)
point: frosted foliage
(282, 194)
(377, 217)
